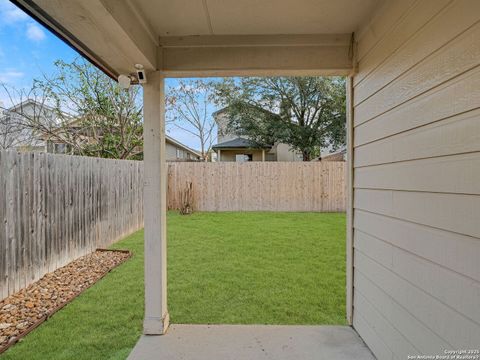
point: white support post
(263, 155)
(155, 206)
(219, 156)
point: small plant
(186, 197)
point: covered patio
(413, 99)
(212, 342)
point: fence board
(259, 186)
(55, 208)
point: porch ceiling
(253, 17)
(210, 37)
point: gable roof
(241, 143)
(33, 103)
(219, 111)
(342, 150)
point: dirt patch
(23, 311)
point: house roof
(325, 155)
(342, 150)
(220, 111)
(33, 103)
(239, 143)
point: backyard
(223, 268)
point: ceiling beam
(262, 55)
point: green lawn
(237, 268)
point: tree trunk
(306, 155)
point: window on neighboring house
(60, 148)
(189, 156)
(179, 154)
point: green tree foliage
(95, 117)
(307, 113)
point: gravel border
(22, 312)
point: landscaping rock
(21, 310)
(22, 325)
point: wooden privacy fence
(55, 208)
(262, 186)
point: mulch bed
(23, 311)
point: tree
(88, 112)
(188, 109)
(307, 113)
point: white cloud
(35, 32)
(10, 75)
(9, 13)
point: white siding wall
(174, 153)
(222, 132)
(285, 153)
(417, 179)
(171, 151)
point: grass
(235, 268)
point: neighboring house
(176, 151)
(339, 155)
(232, 147)
(240, 150)
(15, 134)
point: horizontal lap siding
(450, 174)
(417, 179)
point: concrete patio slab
(232, 342)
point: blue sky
(28, 50)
